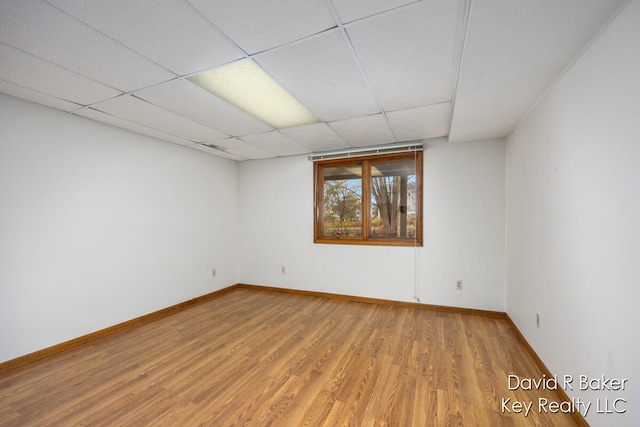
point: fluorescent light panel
(246, 86)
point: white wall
(573, 206)
(99, 225)
(464, 233)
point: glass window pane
(342, 214)
(393, 199)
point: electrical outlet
(538, 320)
(213, 273)
(283, 270)
(459, 285)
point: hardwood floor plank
(258, 357)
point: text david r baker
(551, 383)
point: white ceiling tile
(37, 97)
(138, 111)
(427, 122)
(192, 102)
(275, 142)
(364, 131)
(350, 10)
(217, 152)
(513, 52)
(29, 71)
(316, 137)
(272, 23)
(47, 32)
(99, 116)
(242, 149)
(409, 53)
(322, 74)
(169, 32)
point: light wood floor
(260, 358)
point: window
(369, 200)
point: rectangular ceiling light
(246, 86)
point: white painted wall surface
(463, 221)
(99, 225)
(573, 206)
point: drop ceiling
(372, 71)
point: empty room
(319, 212)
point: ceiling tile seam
(365, 18)
(222, 154)
(145, 126)
(222, 33)
(356, 118)
(617, 12)
(356, 58)
(461, 44)
(68, 70)
(377, 114)
(247, 54)
(75, 112)
(133, 94)
(179, 115)
(238, 158)
(114, 40)
(257, 146)
(276, 154)
(80, 106)
(153, 85)
(185, 77)
(298, 41)
(416, 107)
(309, 148)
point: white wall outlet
(213, 273)
(538, 320)
(459, 285)
(283, 269)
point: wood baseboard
(460, 310)
(576, 415)
(59, 348)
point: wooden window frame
(365, 238)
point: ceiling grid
(372, 71)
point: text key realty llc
(602, 383)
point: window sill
(369, 242)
